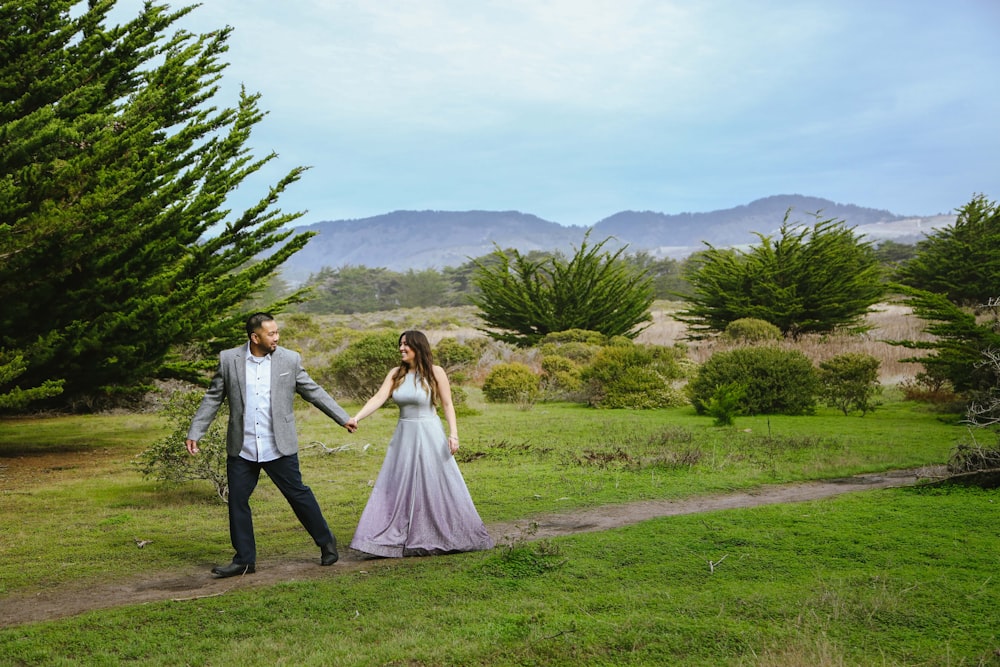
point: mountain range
(403, 240)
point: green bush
(634, 376)
(359, 370)
(556, 363)
(511, 382)
(452, 355)
(574, 336)
(619, 341)
(576, 351)
(850, 382)
(561, 377)
(724, 404)
(455, 358)
(775, 381)
(929, 387)
(751, 330)
(167, 460)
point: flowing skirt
(420, 504)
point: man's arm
(308, 389)
(209, 407)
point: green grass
(897, 577)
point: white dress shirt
(258, 433)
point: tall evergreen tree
(523, 299)
(961, 262)
(953, 284)
(114, 173)
(808, 279)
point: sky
(574, 110)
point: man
(260, 381)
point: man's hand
(351, 425)
(192, 447)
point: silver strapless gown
(420, 504)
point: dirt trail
(188, 583)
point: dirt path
(187, 584)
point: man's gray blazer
(287, 379)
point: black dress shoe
(328, 554)
(232, 570)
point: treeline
(361, 289)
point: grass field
(889, 577)
(895, 577)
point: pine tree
(961, 262)
(522, 298)
(114, 172)
(953, 284)
(807, 280)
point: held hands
(351, 425)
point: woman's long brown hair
(423, 364)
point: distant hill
(417, 240)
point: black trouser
(284, 472)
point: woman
(420, 504)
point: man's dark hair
(255, 320)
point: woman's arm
(376, 401)
(447, 406)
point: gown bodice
(413, 400)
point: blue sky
(573, 110)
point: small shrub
(455, 358)
(619, 341)
(510, 382)
(724, 404)
(560, 377)
(574, 336)
(850, 382)
(580, 353)
(359, 370)
(751, 330)
(775, 381)
(634, 376)
(929, 388)
(556, 363)
(167, 460)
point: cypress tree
(522, 299)
(115, 172)
(953, 284)
(807, 280)
(961, 262)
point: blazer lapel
(240, 368)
